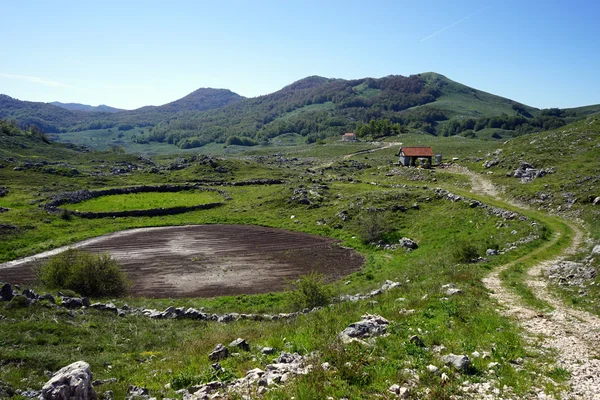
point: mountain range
(314, 107)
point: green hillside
(463, 101)
(314, 108)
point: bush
(309, 291)
(373, 227)
(84, 272)
(464, 252)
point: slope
(85, 107)
(47, 117)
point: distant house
(349, 137)
(408, 156)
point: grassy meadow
(166, 355)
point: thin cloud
(452, 25)
(34, 79)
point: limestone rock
(460, 362)
(368, 326)
(220, 352)
(408, 243)
(73, 382)
(240, 344)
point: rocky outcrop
(73, 382)
(571, 273)
(256, 381)
(367, 327)
(526, 172)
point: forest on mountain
(314, 107)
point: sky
(128, 54)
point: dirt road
(573, 334)
(208, 260)
(386, 146)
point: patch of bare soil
(573, 334)
(208, 260)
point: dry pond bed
(208, 260)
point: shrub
(310, 291)
(464, 252)
(84, 272)
(373, 227)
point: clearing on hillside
(209, 260)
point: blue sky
(129, 54)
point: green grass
(152, 353)
(144, 201)
(461, 100)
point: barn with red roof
(408, 156)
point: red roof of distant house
(417, 151)
(349, 134)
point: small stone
(240, 344)
(417, 341)
(268, 350)
(395, 388)
(432, 368)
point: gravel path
(573, 334)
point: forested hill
(51, 118)
(47, 117)
(314, 107)
(85, 107)
(317, 107)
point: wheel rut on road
(573, 334)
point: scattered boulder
(6, 292)
(491, 163)
(596, 201)
(3, 191)
(432, 368)
(491, 252)
(4, 209)
(571, 273)
(417, 341)
(368, 326)
(460, 362)
(73, 382)
(240, 344)
(450, 289)
(137, 393)
(408, 243)
(220, 352)
(268, 350)
(401, 391)
(596, 249)
(526, 172)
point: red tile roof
(349, 134)
(417, 151)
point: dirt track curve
(573, 334)
(208, 260)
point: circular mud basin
(209, 260)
